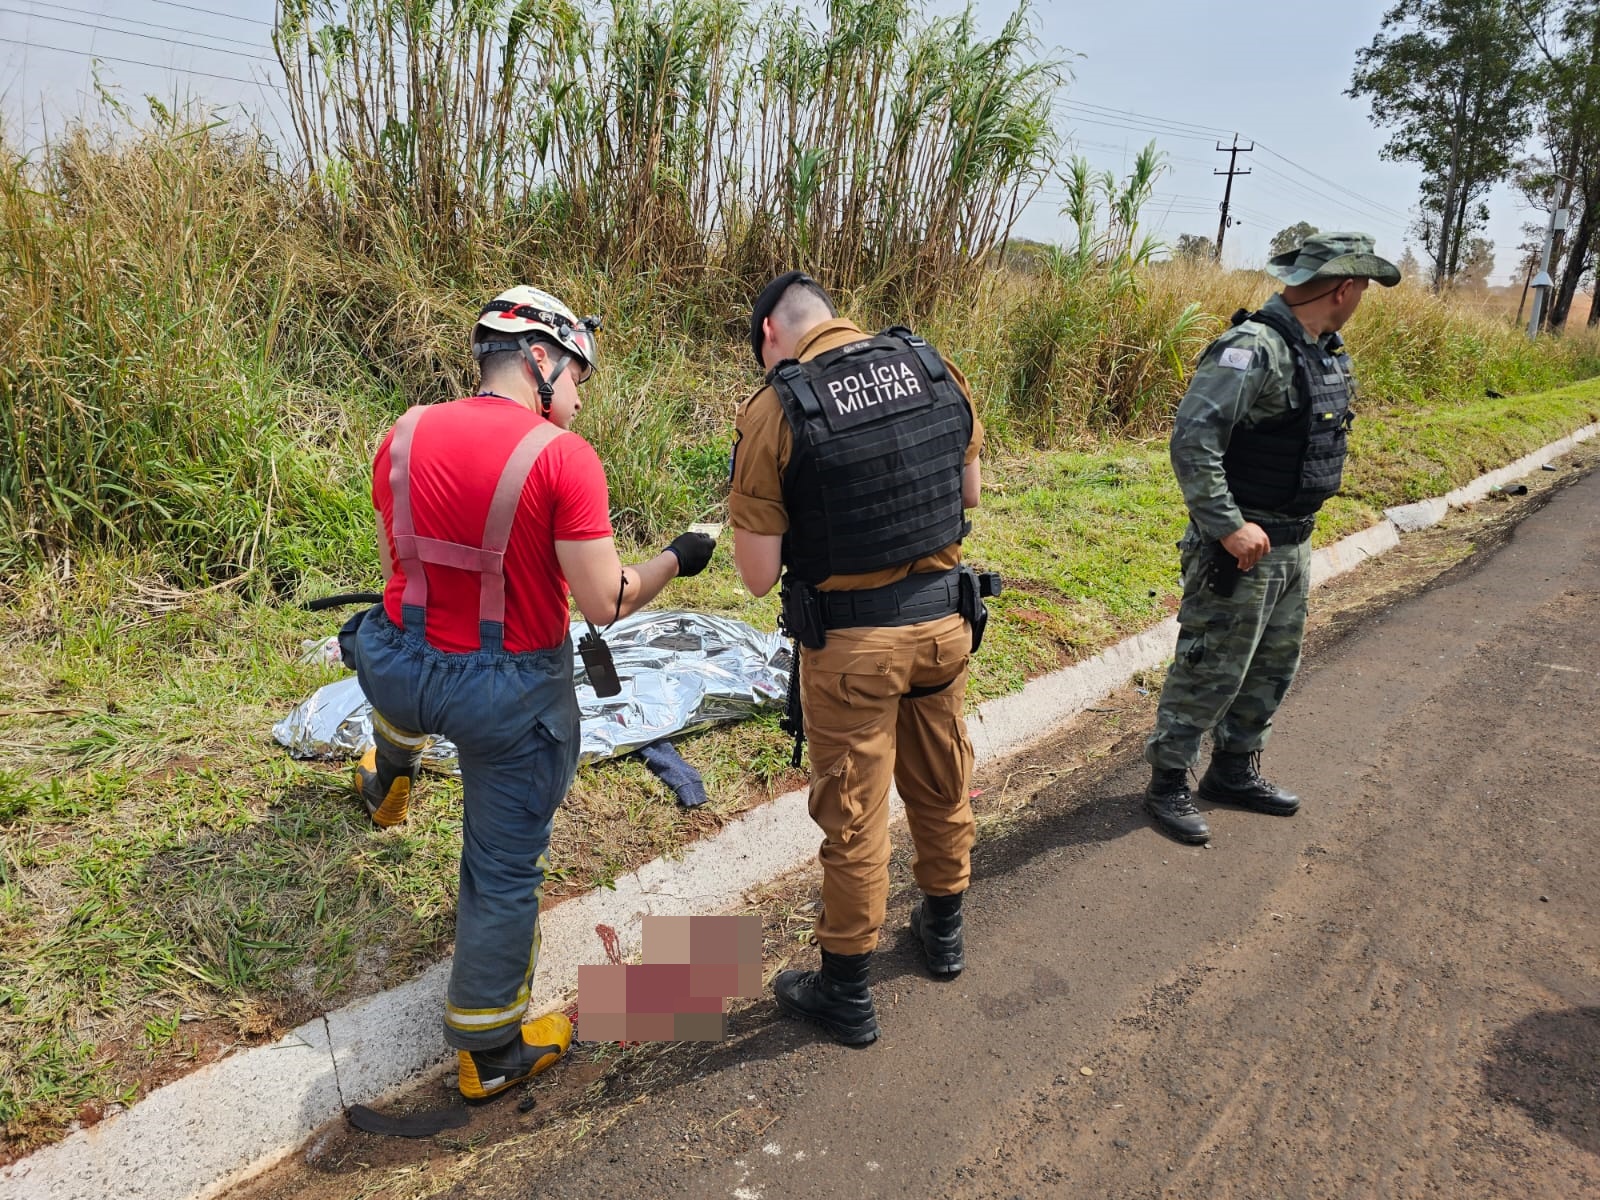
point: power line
(1333, 184)
(1365, 211)
(1185, 204)
(1298, 199)
(1147, 123)
(1205, 131)
(211, 12)
(215, 37)
(129, 33)
(136, 62)
(1126, 148)
(1259, 216)
(1079, 117)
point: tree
(1450, 78)
(1289, 238)
(1567, 36)
(1477, 264)
(1410, 268)
(1195, 247)
(1529, 250)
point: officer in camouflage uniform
(1258, 445)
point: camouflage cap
(1333, 256)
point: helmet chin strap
(547, 387)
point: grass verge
(172, 885)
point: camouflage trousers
(1235, 659)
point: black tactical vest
(874, 477)
(1292, 463)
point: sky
(1186, 73)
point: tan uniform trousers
(863, 730)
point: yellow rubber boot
(386, 806)
(484, 1073)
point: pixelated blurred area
(678, 993)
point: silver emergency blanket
(681, 672)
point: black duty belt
(914, 599)
(1288, 533)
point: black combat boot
(936, 921)
(1167, 799)
(836, 997)
(1236, 779)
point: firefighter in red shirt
(489, 511)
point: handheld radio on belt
(598, 664)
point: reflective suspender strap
(502, 512)
(487, 560)
(400, 526)
(411, 549)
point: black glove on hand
(693, 551)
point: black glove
(693, 551)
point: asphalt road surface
(1394, 994)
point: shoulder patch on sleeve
(1240, 358)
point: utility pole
(1542, 283)
(1553, 295)
(1233, 153)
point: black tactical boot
(1236, 779)
(1167, 799)
(936, 921)
(836, 997)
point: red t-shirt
(457, 455)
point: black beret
(767, 301)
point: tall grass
(1103, 346)
(878, 146)
(148, 296)
(1096, 347)
(194, 359)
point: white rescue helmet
(524, 312)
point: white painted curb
(204, 1133)
(1409, 518)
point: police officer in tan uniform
(852, 468)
